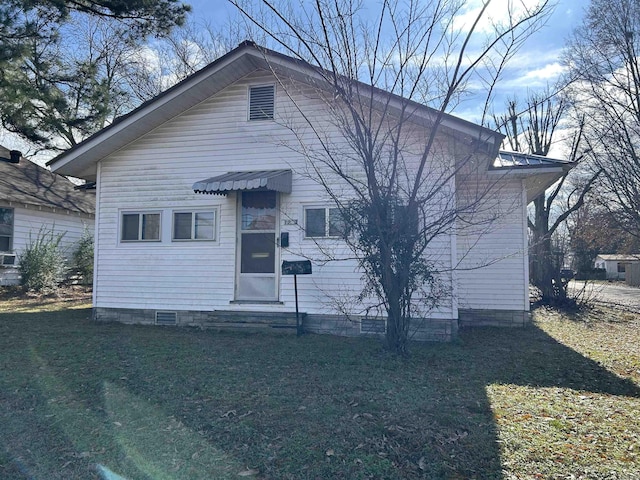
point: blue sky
(536, 65)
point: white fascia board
(524, 172)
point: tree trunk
(541, 255)
(396, 336)
(544, 267)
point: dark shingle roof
(30, 184)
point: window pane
(315, 222)
(258, 210)
(182, 226)
(130, 226)
(205, 225)
(5, 244)
(337, 225)
(6, 216)
(150, 226)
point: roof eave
(81, 159)
(536, 179)
(151, 114)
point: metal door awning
(275, 180)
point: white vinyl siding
(30, 222)
(210, 139)
(493, 257)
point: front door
(258, 230)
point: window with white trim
(322, 222)
(194, 225)
(262, 102)
(6, 229)
(140, 227)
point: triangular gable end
(80, 161)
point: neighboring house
(200, 199)
(34, 200)
(616, 264)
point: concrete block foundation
(424, 330)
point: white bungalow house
(201, 197)
(32, 201)
(616, 264)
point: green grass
(557, 400)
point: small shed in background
(618, 265)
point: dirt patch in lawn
(16, 299)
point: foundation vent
(373, 326)
(166, 318)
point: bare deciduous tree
(603, 58)
(533, 129)
(159, 65)
(378, 69)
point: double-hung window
(198, 225)
(6, 229)
(322, 222)
(140, 227)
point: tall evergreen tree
(60, 62)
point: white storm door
(257, 272)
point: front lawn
(80, 400)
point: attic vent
(166, 318)
(372, 326)
(261, 101)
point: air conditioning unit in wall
(7, 259)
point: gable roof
(619, 257)
(80, 161)
(26, 183)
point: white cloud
(516, 79)
(497, 12)
(548, 72)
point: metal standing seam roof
(510, 160)
(276, 180)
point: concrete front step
(253, 321)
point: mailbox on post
(295, 268)
(300, 267)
